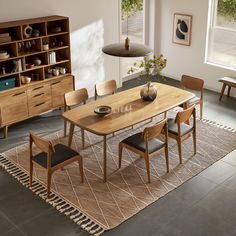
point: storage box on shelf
(35, 67)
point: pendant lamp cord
(127, 40)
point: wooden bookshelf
(23, 55)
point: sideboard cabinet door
(59, 88)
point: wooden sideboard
(23, 55)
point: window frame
(211, 26)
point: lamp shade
(127, 50)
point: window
(221, 43)
(133, 25)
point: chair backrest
(184, 116)
(76, 97)
(105, 88)
(155, 130)
(43, 145)
(192, 83)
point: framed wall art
(182, 28)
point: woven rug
(99, 206)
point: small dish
(102, 110)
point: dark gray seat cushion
(194, 100)
(137, 142)
(173, 128)
(61, 154)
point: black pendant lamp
(127, 49)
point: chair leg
(229, 88)
(201, 110)
(167, 159)
(146, 157)
(165, 113)
(222, 91)
(49, 178)
(81, 168)
(194, 142)
(31, 173)
(65, 127)
(82, 137)
(120, 153)
(179, 149)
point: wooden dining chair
(74, 98)
(147, 143)
(52, 158)
(196, 84)
(180, 128)
(105, 88)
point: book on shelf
(52, 57)
(4, 35)
(5, 39)
(17, 66)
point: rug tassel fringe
(60, 204)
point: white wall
(93, 23)
(187, 59)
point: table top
(127, 109)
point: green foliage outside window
(129, 7)
(227, 8)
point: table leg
(222, 91)
(105, 157)
(72, 126)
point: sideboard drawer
(34, 91)
(39, 107)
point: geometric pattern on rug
(126, 191)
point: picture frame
(182, 29)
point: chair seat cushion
(173, 127)
(61, 154)
(137, 142)
(192, 101)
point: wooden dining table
(128, 109)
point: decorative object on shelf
(149, 67)
(60, 44)
(17, 66)
(25, 79)
(29, 65)
(37, 61)
(127, 49)
(56, 29)
(35, 77)
(62, 70)
(35, 32)
(182, 29)
(4, 54)
(3, 70)
(56, 71)
(45, 44)
(28, 31)
(102, 110)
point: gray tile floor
(204, 205)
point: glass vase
(148, 92)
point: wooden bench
(227, 81)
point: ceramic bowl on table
(102, 110)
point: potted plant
(149, 67)
(45, 44)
